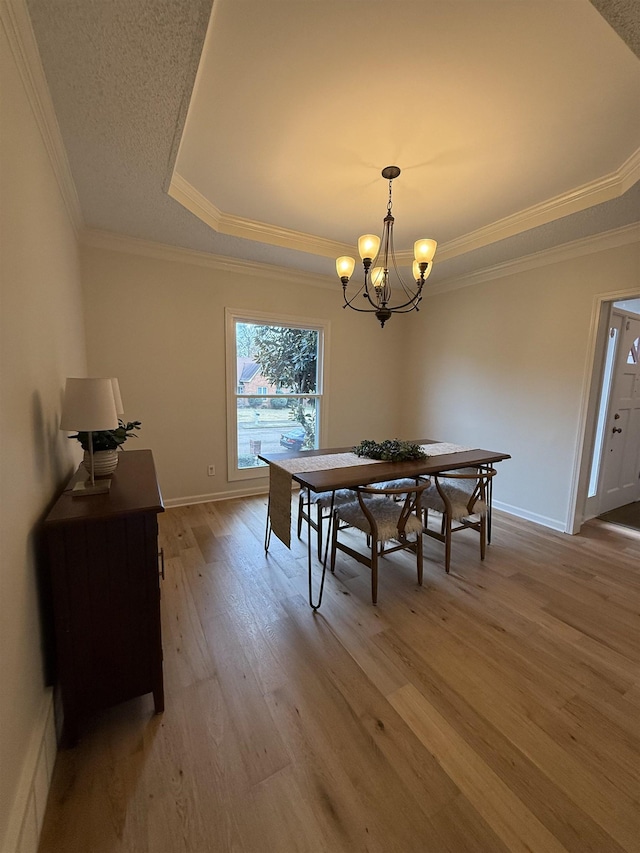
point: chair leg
(483, 535)
(304, 510)
(489, 500)
(374, 572)
(334, 538)
(446, 524)
(419, 557)
(301, 510)
(267, 529)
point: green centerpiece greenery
(391, 450)
(108, 439)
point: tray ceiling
(515, 124)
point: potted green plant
(105, 446)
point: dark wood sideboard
(105, 575)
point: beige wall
(42, 342)
(502, 366)
(158, 325)
(499, 365)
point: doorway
(614, 422)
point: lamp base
(84, 487)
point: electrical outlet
(211, 470)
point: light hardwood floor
(493, 709)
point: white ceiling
(515, 123)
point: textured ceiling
(499, 109)
(624, 17)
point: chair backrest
(410, 506)
(469, 485)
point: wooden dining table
(330, 469)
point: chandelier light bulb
(345, 267)
(368, 246)
(424, 250)
(378, 278)
(416, 271)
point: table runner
(441, 448)
(280, 479)
(280, 484)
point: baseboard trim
(545, 521)
(248, 492)
(27, 812)
(253, 491)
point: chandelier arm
(409, 293)
(367, 271)
(362, 310)
(371, 302)
(414, 299)
(383, 249)
(357, 293)
(414, 295)
(348, 303)
(402, 310)
(367, 295)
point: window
(275, 385)
(607, 378)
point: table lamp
(89, 406)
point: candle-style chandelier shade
(378, 257)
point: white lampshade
(89, 406)
(117, 396)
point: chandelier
(378, 257)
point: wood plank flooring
(494, 709)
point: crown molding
(613, 239)
(161, 251)
(235, 226)
(22, 43)
(598, 191)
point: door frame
(627, 487)
(591, 385)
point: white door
(620, 482)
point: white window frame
(234, 316)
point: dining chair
(488, 496)
(323, 503)
(402, 485)
(375, 512)
(462, 499)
